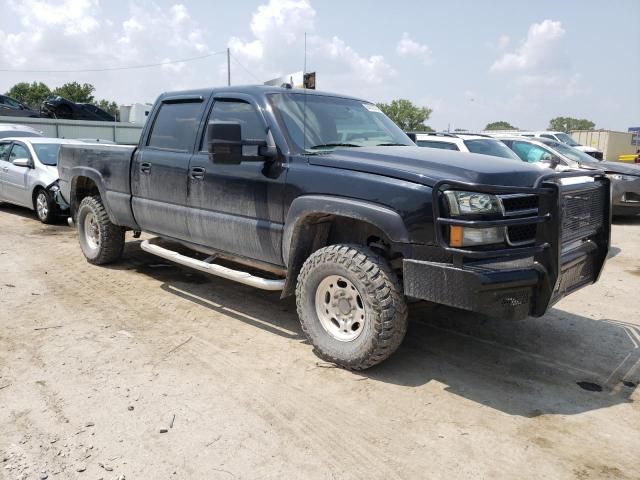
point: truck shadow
(561, 363)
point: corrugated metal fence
(123, 133)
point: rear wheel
(351, 306)
(100, 240)
(44, 206)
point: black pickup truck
(324, 197)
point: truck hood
(428, 165)
(586, 149)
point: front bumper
(625, 196)
(511, 290)
(571, 245)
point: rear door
(16, 179)
(159, 170)
(237, 208)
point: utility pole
(228, 67)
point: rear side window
(440, 145)
(176, 126)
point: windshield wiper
(331, 145)
(391, 144)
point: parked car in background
(463, 142)
(59, 107)
(29, 175)
(10, 107)
(549, 135)
(625, 178)
(15, 130)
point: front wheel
(100, 240)
(45, 206)
(351, 306)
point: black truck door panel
(237, 208)
(159, 170)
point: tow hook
(136, 233)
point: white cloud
(76, 35)
(541, 63)
(278, 29)
(540, 50)
(407, 47)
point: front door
(16, 179)
(5, 149)
(159, 169)
(237, 208)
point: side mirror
(551, 160)
(224, 144)
(22, 162)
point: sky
(472, 62)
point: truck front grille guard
(547, 213)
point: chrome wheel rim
(42, 207)
(91, 231)
(340, 308)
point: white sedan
(29, 174)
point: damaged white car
(29, 175)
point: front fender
(387, 220)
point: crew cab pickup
(324, 197)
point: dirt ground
(96, 362)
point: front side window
(317, 122)
(12, 103)
(176, 126)
(530, 153)
(47, 153)
(18, 151)
(487, 146)
(251, 124)
(440, 145)
(5, 148)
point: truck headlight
(624, 178)
(472, 203)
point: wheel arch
(314, 221)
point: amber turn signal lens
(455, 236)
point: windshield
(334, 122)
(572, 153)
(564, 138)
(47, 153)
(488, 146)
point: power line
(107, 69)
(245, 68)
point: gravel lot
(94, 362)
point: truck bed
(108, 166)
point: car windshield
(47, 153)
(573, 153)
(564, 138)
(315, 123)
(489, 146)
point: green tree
(109, 106)
(76, 93)
(501, 125)
(406, 115)
(567, 124)
(31, 94)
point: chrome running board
(212, 268)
